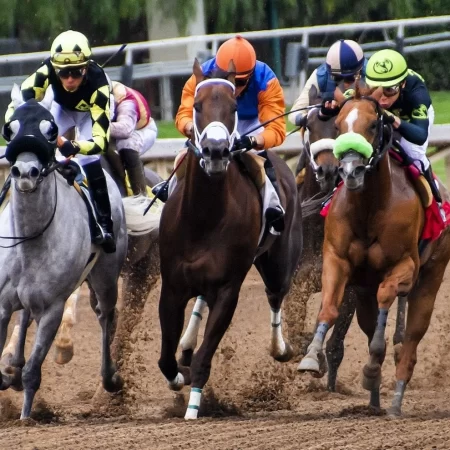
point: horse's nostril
(320, 171)
(34, 172)
(206, 151)
(15, 172)
(226, 153)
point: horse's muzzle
(216, 157)
(26, 175)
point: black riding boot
(99, 190)
(434, 189)
(274, 216)
(133, 165)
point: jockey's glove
(388, 117)
(300, 120)
(69, 148)
(327, 113)
(245, 142)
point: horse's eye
(373, 126)
(198, 107)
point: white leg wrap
(11, 347)
(278, 344)
(177, 383)
(194, 404)
(189, 339)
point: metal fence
(301, 55)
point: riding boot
(431, 181)
(99, 191)
(135, 169)
(435, 191)
(161, 191)
(274, 216)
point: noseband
(383, 144)
(214, 130)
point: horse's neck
(204, 197)
(30, 212)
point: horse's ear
(339, 95)
(231, 71)
(376, 93)
(16, 96)
(197, 71)
(47, 101)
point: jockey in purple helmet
(345, 59)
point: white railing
(172, 68)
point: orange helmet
(241, 52)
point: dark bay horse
(209, 234)
(372, 232)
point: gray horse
(46, 250)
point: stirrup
(161, 191)
(105, 239)
(275, 218)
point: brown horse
(209, 234)
(372, 232)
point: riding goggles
(345, 78)
(391, 90)
(70, 72)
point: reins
(40, 233)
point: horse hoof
(177, 383)
(63, 352)
(114, 384)
(311, 365)
(287, 355)
(397, 352)
(371, 377)
(15, 376)
(394, 412)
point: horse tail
(137, 223)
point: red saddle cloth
(433, 226)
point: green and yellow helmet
(386, 68)
(70, 49)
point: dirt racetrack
(251, 403)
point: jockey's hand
(300, 120)
(245, 142)
(391, 118)
(328, 110)
(69, 148)
(188, 129)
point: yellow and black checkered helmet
(70, 49)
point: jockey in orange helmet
(259, 98)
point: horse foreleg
(420, 307)
(399, 334)
(398, 281)
(31, 375)
(13, 356)
(188, 341)
(171, 318)
(219, 319)
(335, 345)
(63, 341)
(335, 275)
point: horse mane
(219, 73)
(362, 90)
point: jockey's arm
(303, 99)
(100, 115)
(270, 105)
(183, 120)
(33, 87)
(126, 120)
(416, 129)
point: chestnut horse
(372, 232)
(209, 232)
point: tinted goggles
(345, 78)
(70, 72)
(391, 90)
